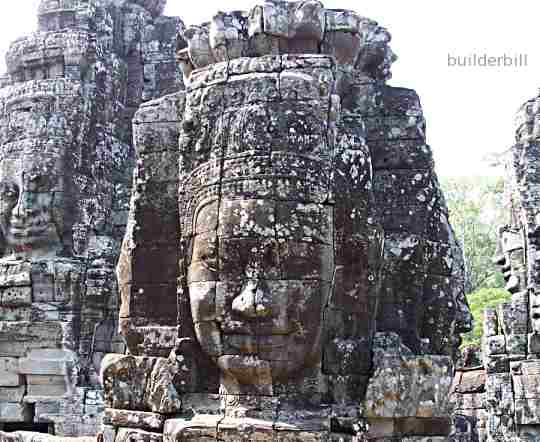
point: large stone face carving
(65, 175)
(260, 244)
(288, 247)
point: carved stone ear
(2, 244)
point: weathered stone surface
(25, 436)
(135, 435)
(12, 394)
(133, 419)
(264, 251)
(404, 385)
(66, 160)
(47, 362)
(15, 412)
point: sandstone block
(9, 364)
(38, 379)
(10, 379)
(527, 411)
(200, 427)
(109, 433)
(534, 343)
(17, 338)
(140, 383)
(12, 394)
(494, 345)
(14, 412)
(401, 381)
(16, 274)
(48, 362)
(16, 296)
(135, 435)
(45, 407)
(52, 390)
(491, 324)
(516, 345)
(133, 419)
(526, 386)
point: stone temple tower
(285, 266)
(288, 271)
(503, 395)
(66, 161)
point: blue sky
(469, 110)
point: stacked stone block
(511, 348)
(291, 153)
(469, 401)
(66, 161)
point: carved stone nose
(253, 301)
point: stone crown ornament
(301, 27)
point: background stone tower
(504, 395)
(66, 155)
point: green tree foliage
(476, 211)
(476, 208)
(478, 301)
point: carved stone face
(258, 285)
(377, 57)
(30, 192)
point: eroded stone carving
(287, 234)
